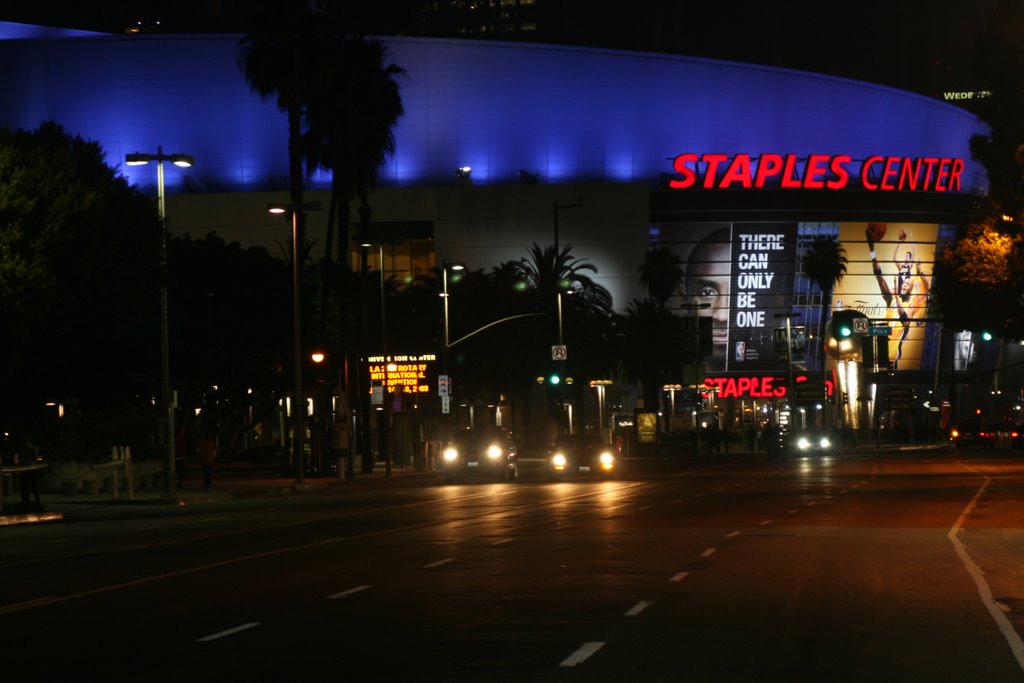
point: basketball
(876, 231)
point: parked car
(972, 434)
(579, 455)
(489, 452)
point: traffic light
(554, 378)
(843, 326)
(986, 335)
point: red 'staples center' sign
(816, 172)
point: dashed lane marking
(638, 608)
(229, 632)
(439, 563)
(350, 591)
(581, 655)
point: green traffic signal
(986, 335)
(845, 331)
(554, 378)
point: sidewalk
(231, 481)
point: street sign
(559, 352)
(880, 331)
(809, 391)
(897, 398)
(442, 385)
(446, 404)
(860, 325)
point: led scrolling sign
(817, 172)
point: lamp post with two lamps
(298, 401)
(166, 407)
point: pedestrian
(207, 449)
(28, 479)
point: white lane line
(709, 552)
(699, 495)
(676, 500)
(645, 507)
(791, 512)
(214, 519)
(984, 591)
(767, 522)
(502, 542)
(733, 534)
(350, 591)
(582, 654)
(811, 504)
(438, 563)
(229, 632)
(679, 577)
(638, 608)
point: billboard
(888, 278)
(744, 276)
(740, 275)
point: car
(488, 452)
(809, 441)
(580, 455)
(972, 434)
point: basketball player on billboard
(907, 297)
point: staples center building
(735, 167)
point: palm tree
(350, 119)
(648, 337)
(661, 273)
(824, 264)
(279, 59)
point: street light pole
(167, 407)
(444, 357)
(789, 315)
(298, 400)
(697, 357)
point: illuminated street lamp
(167, 408)
(456, 267)
(298, 402)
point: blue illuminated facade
(566, 114)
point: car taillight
(954, 433)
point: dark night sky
(921, 45)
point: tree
(824, 264)
(231, 308)
(648, 340)
(661, 274)
(78, 288)
(979, 280)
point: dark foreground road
(901, 566)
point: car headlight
(494, 452)
(607, 460)
(803, 443)
(450, 455)
(825, 443)
(558, 460)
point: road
(881, 566)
